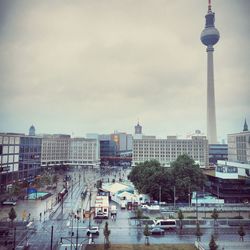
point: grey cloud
(89, 66)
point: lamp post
(174, 197)
(71, 233)
(51, 238)
(14, 241)
(89, 208)
(159, 195)
(196, 197)
(189, 200)
(77, 233)
(71, 188)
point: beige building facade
(167, 150)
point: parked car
(157, 231)
(9, 202)
(166, 224)
(93, 230)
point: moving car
(156, 231)
(93, 230)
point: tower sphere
(210, 36)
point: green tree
(12, 215)
(15, 189)
(241, 232)
(186, 176)
(198, 232)
(99, 184)
(106, 233)
(212, 244)
(215, 215)
(55, 179)
(146, 234)
(153, 179)
(180, 217)
(138, 215)
(46, 179)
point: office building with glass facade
(20, 158)
(217, 152)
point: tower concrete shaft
(211, 115)
(209, 37)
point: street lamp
(89, 209)
(196, 197)
(159, 195)
(174, 197)
(77, 232)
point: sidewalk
(33, 207)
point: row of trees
(161, 183)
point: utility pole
(51, 239)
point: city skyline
(91, 66)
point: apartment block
(167, 150)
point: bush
(143, 218)
(239, 217)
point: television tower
(209, 37)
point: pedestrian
(40, 216)
(29, 217)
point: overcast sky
(88, 66)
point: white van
(166, 224)
(123, 204)
(113, 210)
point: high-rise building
(209, 37)
(239, 146)
(167, 150)
(83, 152)
(217, 152)
(231, 179)
(20, 158)
(55, 150)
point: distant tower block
(32, 131)
(209, 37)
(138, 129)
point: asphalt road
(123, 230)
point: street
(123, 229)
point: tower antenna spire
(209, 5)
